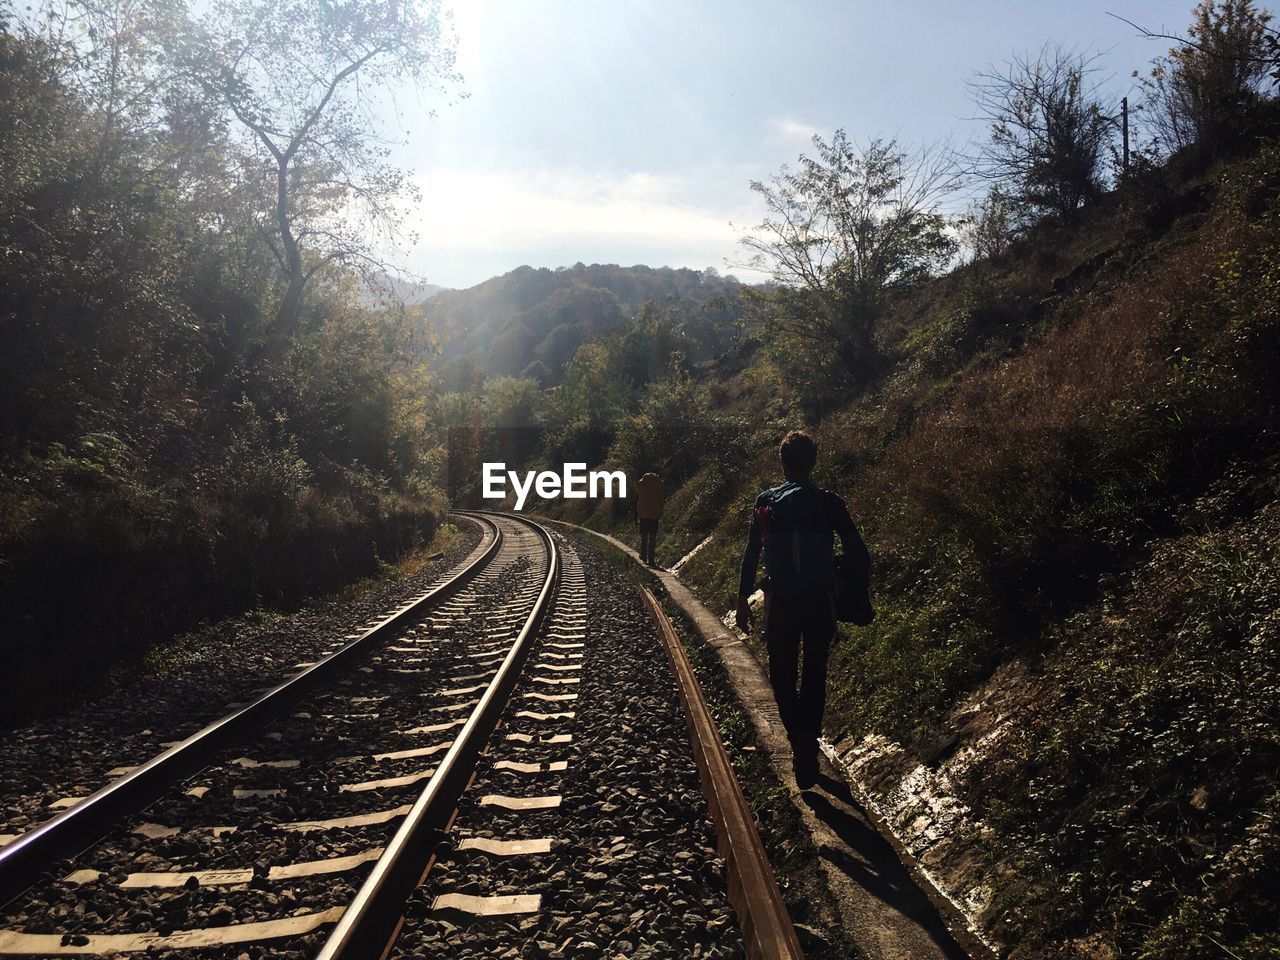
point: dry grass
(1076, 474)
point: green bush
(164, 457)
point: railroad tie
(17, 943)
(499, 906)
(516, 766)
(247, 763)
(342, 823)
(459, 691)
(411, 753)
(520, 803)
(465, 705)
(255, 794)
(232, 877)
(551, 697)
(158, 831)
(558, 738)
(433, 727)
(386, 783)
(506, 848)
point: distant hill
(530, 321)
(406, 290)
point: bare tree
(1199, 90)
(1050, 127)
(302, 78)
(844, 232)
(990, 226)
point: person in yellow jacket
(648, 513)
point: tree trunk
(856, 343)
(291, 305)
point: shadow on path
(871, 863)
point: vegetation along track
(300, 825)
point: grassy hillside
(1068, 483)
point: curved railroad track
(365, 808)
(320, 776)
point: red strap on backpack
(763, 515)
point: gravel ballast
(202, 675)
(632, 871)
(591, 761)
(298, 770)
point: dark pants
(648, 539)
(790, 622)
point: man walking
(648, 513)
(794, 523)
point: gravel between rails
(632, 873)
(208, 671)
(328, 740)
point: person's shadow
(870, 862)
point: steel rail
(766, 926)
(24, 860)
(372, 922)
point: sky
(629, 131)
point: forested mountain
(529, 322)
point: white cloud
(792, 131)
(472, 224)
(463, 208)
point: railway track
(302, 824)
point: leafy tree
(583, 411)
(300, 77)
(1199, 91)
(143, 430)
(650, 346)
(462, 373)
(112, 56)
(1050, 127)
(538, 372)
(96, 333)
(845, 232)
(513, 411)
(511, 401)
(721, 319)
(460, 416)
(510, 348)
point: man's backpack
(853, 591)
(795, 527)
